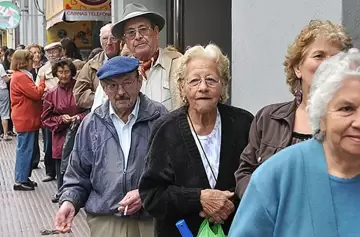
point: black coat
(174, 174)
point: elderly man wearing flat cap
(109, 157)
(53, 52)
(140, 28)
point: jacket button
(259, 159)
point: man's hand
(64, 217)
(216, 205)
(132, 201)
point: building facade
(254, 34)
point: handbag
(68, 146)
(210, 231)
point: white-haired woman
(313, 188)
(195, 150)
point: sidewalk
(25, 214)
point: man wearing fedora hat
(108, 157)
(140, 28)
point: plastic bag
(68, 146)
(207, 231)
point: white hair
(210, 51)
(102, 29)
(326, 82)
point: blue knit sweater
(291, 195)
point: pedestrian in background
(4, 103)
(53, 52)
(35, 49)
(87, 80)
(6, 64)
(60, 111)
(26, 112)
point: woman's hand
(66, 118)
(216, 205)
(75, 118)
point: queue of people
(155, 142)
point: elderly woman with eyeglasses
(60, 111)
(195, 149)
(313, 188)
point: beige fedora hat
(133, 10)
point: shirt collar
(27, 73)
(159, 60)
(106, 58)
(134, 113)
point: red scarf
(146, 65)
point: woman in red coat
(25, 113)
(60, 110)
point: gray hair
(102, 29)
(326, 82)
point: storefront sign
(78, 10)
(9, 15)
(87, 15)
(87, 4)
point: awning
(79, 15)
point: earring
(298, 96)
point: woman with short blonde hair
(277, 126)
(26, 110)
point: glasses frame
(188, 81)
(137, 30)
(111, 39)
(125, 87)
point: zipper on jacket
(111, 128)
(123, 156)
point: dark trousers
(59, 176)
(36, 156)
(10, 122)
(10, 125)
(49, 162)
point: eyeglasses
(65, 72)
(210, 82)
(131, 34)
(114, 87)
(53, 53)
(112, 39)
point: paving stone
(25, 214)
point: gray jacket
(96, 177)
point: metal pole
(169, 22)
(178, 29)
